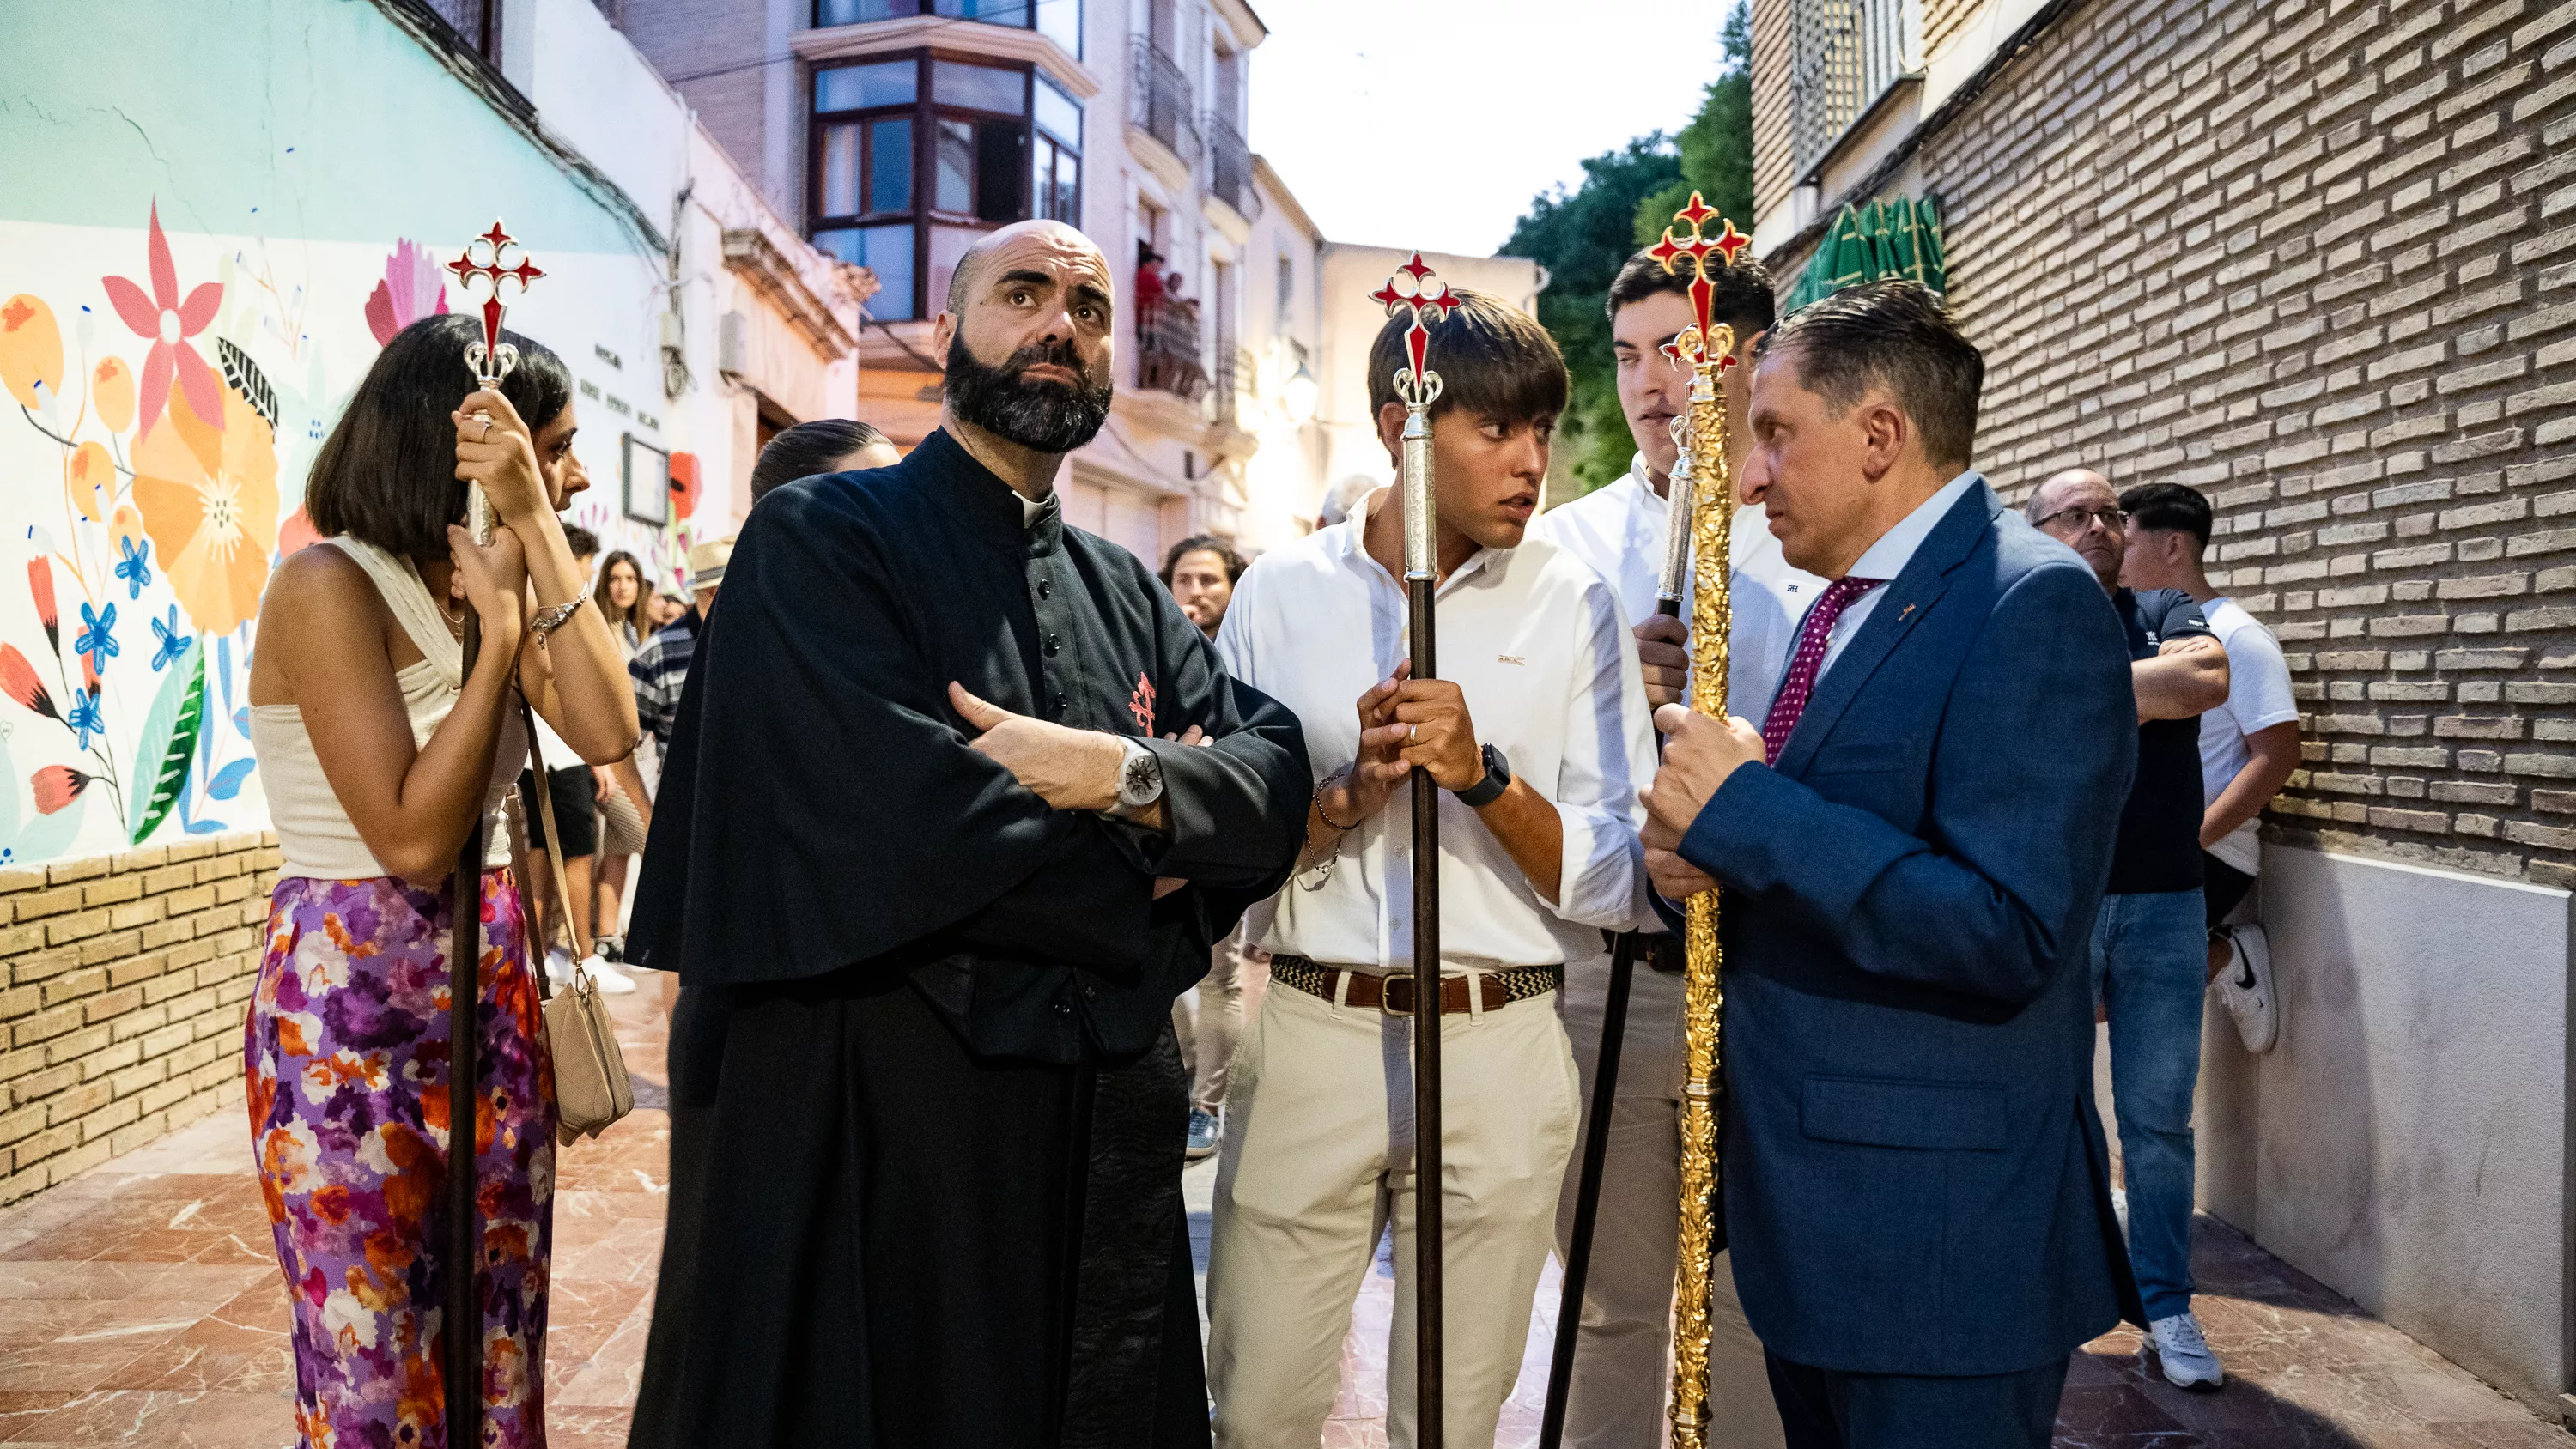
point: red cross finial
(1418, 298)
(488, 362)
(1670, 252)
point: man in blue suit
(1912, 845)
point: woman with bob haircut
(379, 754)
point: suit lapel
(1910, 596)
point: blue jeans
(2150, 967)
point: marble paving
(140, 1304)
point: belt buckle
(1386, 994)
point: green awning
(1896, 238)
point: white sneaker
(2245, 984)
(558, 967)
(2182, 1353)
(611, 981)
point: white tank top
(313, 831)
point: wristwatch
(1498, 778)
(1140, 779)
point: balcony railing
(1167, 349)
(1844, 54)
(1236, 390)
(1159, 102)
(1230, 167)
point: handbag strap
(554, 842)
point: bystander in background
(2248, 746)
(1201, 572)
(826, 445)
(2147, 954)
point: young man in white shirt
(1623, 1354)
(2248, 746)
(1537, 730)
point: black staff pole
(491, 359)
(1614, 1009)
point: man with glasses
(2149, 939)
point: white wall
(2406, 1141)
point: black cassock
(927, 1107)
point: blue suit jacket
(1915, 1176)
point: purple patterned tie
(1791, 701)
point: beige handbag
(591, 1087)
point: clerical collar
(980, 493)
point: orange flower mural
(31, 350)
(111, 393)
(207, 489)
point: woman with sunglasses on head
(380, 754)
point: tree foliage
(1581, 237)
(1716, 147)
(1627, 197)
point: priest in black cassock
(956, 803)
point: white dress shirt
(1887, 558)
(1540, 648)
(1619, 531)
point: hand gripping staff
(462, 1315)
(1419, 387)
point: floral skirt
(346, 1061)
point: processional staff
(462, 1320)
(1709, 348)
(1418, 388)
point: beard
(1045, 417)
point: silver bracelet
(551, 618)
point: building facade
(2319, 261)
(899, 131)
(285, 208)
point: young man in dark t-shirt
(2148, 942)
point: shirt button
(1046, 588)
(1053, 643)
(1061, 702)
(1064, 1008)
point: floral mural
(127, 715)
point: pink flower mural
(167, 321)
(412, 289)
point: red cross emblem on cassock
(492, 359)
(1417, 298)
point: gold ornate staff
(1708, 349)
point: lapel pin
(1901, 613)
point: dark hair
(387, 473)
(580, 541)
(1741, 293)
(2168, 506)
(807, 449)
(1235, 563)
(639, 618)
(1493, 359)
(1893, 334)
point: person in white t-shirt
(2248, 746)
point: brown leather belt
(1393, 994)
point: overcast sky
(1492, 101)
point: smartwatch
(1498, 778)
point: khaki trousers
(1236, 971)
(1318, 1160)
(1622, 1358)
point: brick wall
(1772, 179)
(123, 983)
(2316, 258)
(1942, 20)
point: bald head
(2058, 489)
(2078, 509)
(1036, 242)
